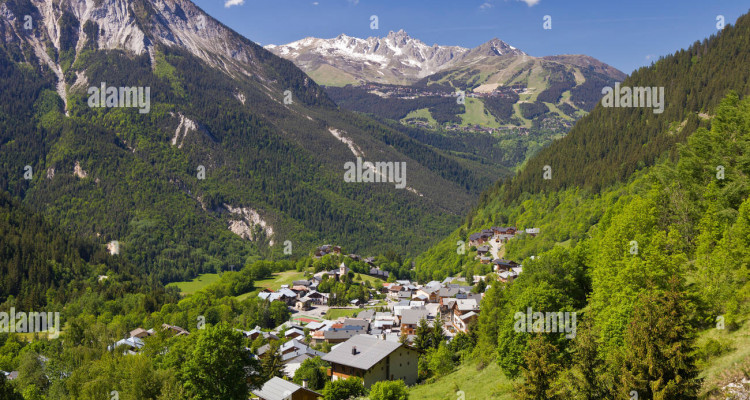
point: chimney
(354, 350)
(304, 383)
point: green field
(274, 282)
(371, 279)
(477, 115)
(199, 283)
(336, 313)
(421, 113)
(487, 384)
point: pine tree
(437, 332)
(271, 364)
(540, 371)
(423, 341)
(658, 362)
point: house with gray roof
(280, 389)
(373, 359)
(410, 320)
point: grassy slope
(421, 113)
(477, 115)
(491, 383)
(327, 75)
(273, 283)
(200, 282)
(487, 384)
(723, 369)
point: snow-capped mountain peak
(395, 58)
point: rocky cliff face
(51, 29)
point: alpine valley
(222, 168)
(185, 214)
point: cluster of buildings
(134, 342)
(499, 234)
(372, 345)
(369, 346)
(369, 358)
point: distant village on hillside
(374, 339)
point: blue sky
(626, 34)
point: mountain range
(240, 153)
(394, 59)
(398, 58)
(400, 77)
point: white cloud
(353, 2)
(530, 3)
(315, 3)
(230, 3)
(485, 6)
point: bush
(343, 389)
(389, 390)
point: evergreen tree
(438, 336)
(271, 364)
(540, 370)
(658, 361)
(423, 341)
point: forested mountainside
(667, 259)
(615, 141)
(43, 265)
(643, 233)
(608, 145)
(220, 169)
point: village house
(379, 273)
(12, 375)
(303, 304)
(286, 295)
(129, 345)
(507, 276)
(483, 250)
(476, 239)
(327, 249)
(393, 291)
(502, 230)
(280, 389)
(384, 321)
(464, 312)
(410, 320)
(256, 332)
(294, 333)
(447, 293)
(334, 336)
(373, 359)
(404, 295)
(429, 294)
(316, 297)
(367, 315)
(503, 265)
